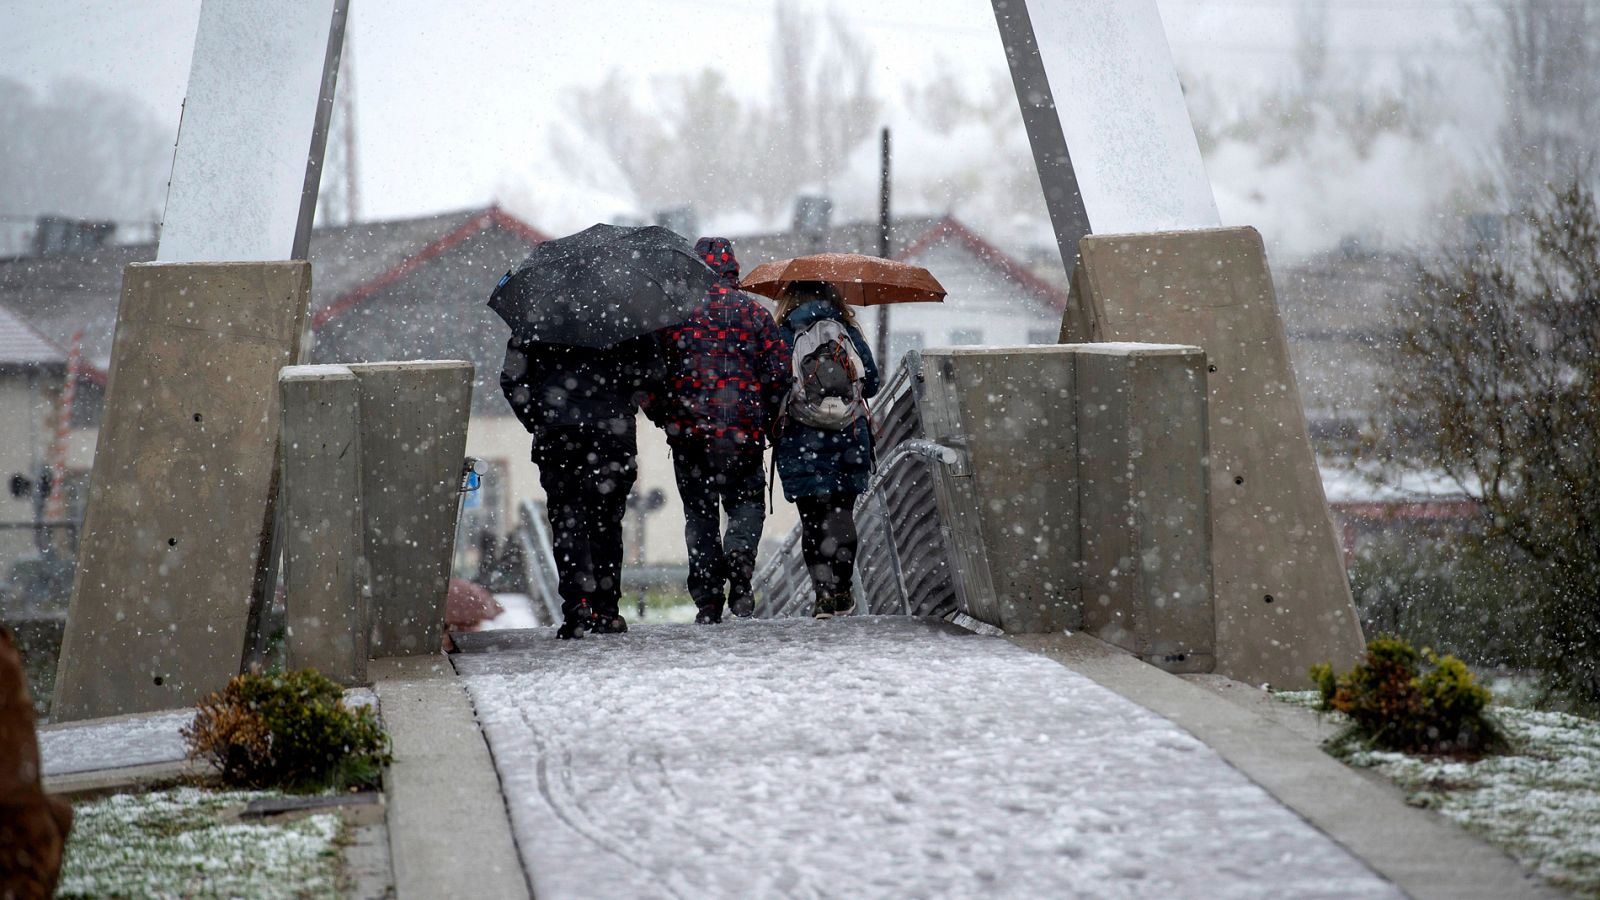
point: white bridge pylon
(1111, 136)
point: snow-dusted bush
(1395, 706)
(290, 730)
(1496, 385)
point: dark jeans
(734, 481)
(828, 541)
(587, 474)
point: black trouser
(828, 541)
(587, 473)
(733, 480)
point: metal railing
(539, 561)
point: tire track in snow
(566, 807)
(780, 878)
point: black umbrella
(601, 286)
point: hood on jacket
(811, 311)
(718, 254)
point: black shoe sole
(615, 626)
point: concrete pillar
(324, 569)
(181, 500)
(413, 441)
(1011, 506)
(1142, 497)
(1283, 599)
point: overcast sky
(455, 99)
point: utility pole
(882, 352)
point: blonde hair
(798, 293)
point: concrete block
(413, 440)
(324, 566)
(1145, 539)
(1012, 509)
(1283, 599)
(181, 499)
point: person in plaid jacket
(727, 371)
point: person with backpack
(726, 374)
(823, 451)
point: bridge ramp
(865, 757)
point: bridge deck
(865, 757)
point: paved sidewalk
(866, 757)
(1421, 852)
(448, 834)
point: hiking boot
(823, 608)
(577, 621)
(844, 604)
(741, 598)
(707, 617)
(608, 624)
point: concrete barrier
(1145, 540)
(1283, 600)
(324, 568)
(181, 499)
(413, 440)
(1057, 488)
(1011, 505)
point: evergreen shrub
(1395, 706)
(289, 730)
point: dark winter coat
(726, 368)
(557, 386)
(812, 462)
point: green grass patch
(175, 843)
(1539, 800)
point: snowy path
(867, 757)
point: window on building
(966, 337)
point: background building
(418, 288)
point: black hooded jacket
(553, 385)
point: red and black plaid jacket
(727, 368)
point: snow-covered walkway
(867, 757)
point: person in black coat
(580, 406)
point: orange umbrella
(863, 280)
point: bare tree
(1547, 56)
(995, 186)
(823, 104)
(1497, 385)
(692, 138)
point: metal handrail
(539, 562)
(909, 449)
(906, 451)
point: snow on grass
(1540, 802)
(174, 843)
